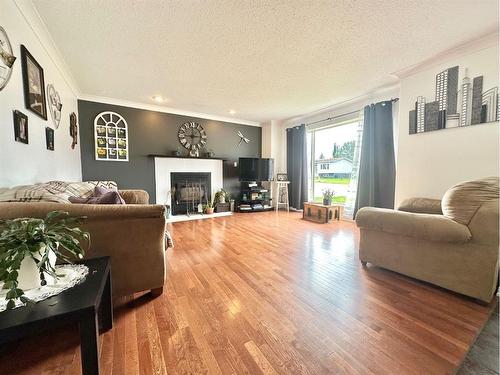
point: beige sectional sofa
(454, 246)
(133, 235)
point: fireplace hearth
(189, 190)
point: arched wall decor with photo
(111, 137)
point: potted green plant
(328, 195)
(29, 248)
(221, 196)
(209, 208)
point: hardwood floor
(270, 293)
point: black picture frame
(281, 177)
(49, 138)
(33, 79)
(20, 127)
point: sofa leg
(363, 263)
(156, 292)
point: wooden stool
(282, 190)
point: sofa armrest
(135, 196)
(429, 227)
(421, 206)
(484, 225)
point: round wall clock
(6, 58)
(192, 136)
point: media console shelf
(254, 199)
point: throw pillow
(101, 195)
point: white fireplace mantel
(165, 166)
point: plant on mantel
(39, 239)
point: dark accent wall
(153, 132)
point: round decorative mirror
(6, 58)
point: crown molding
(36, 24)
(346, 105)
(162, 109)
(487, 40)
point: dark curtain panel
(296, 156)
(377, 167)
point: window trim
(312, 129)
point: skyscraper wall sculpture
(455, 105)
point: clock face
(6, 58)
(192, 136)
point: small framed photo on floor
(33, 84)
(20, 127)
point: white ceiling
(264, 59)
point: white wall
(429, 163)
(29, 163)
(272, 144)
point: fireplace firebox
(189, 190)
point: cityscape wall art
(456, 104)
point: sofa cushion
(422, 226)
(461, 201)
(134, 196)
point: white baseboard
(177, 218)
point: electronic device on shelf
(253, 196)
(255, 170)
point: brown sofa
(133, 235)
(453, 244)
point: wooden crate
(320, 213)
(222, 207)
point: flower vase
(29, 273)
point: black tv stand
(254, 198)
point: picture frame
(73, 130)
(33, 84)
(281, 177)
(111, 137)
(20, 127)
(49, 138)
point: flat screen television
(256, 169)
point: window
(340, 144)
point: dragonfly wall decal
(242, 138)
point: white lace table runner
(71, 275)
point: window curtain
(296, 156)
(377, 167)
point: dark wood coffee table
(89, 304)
